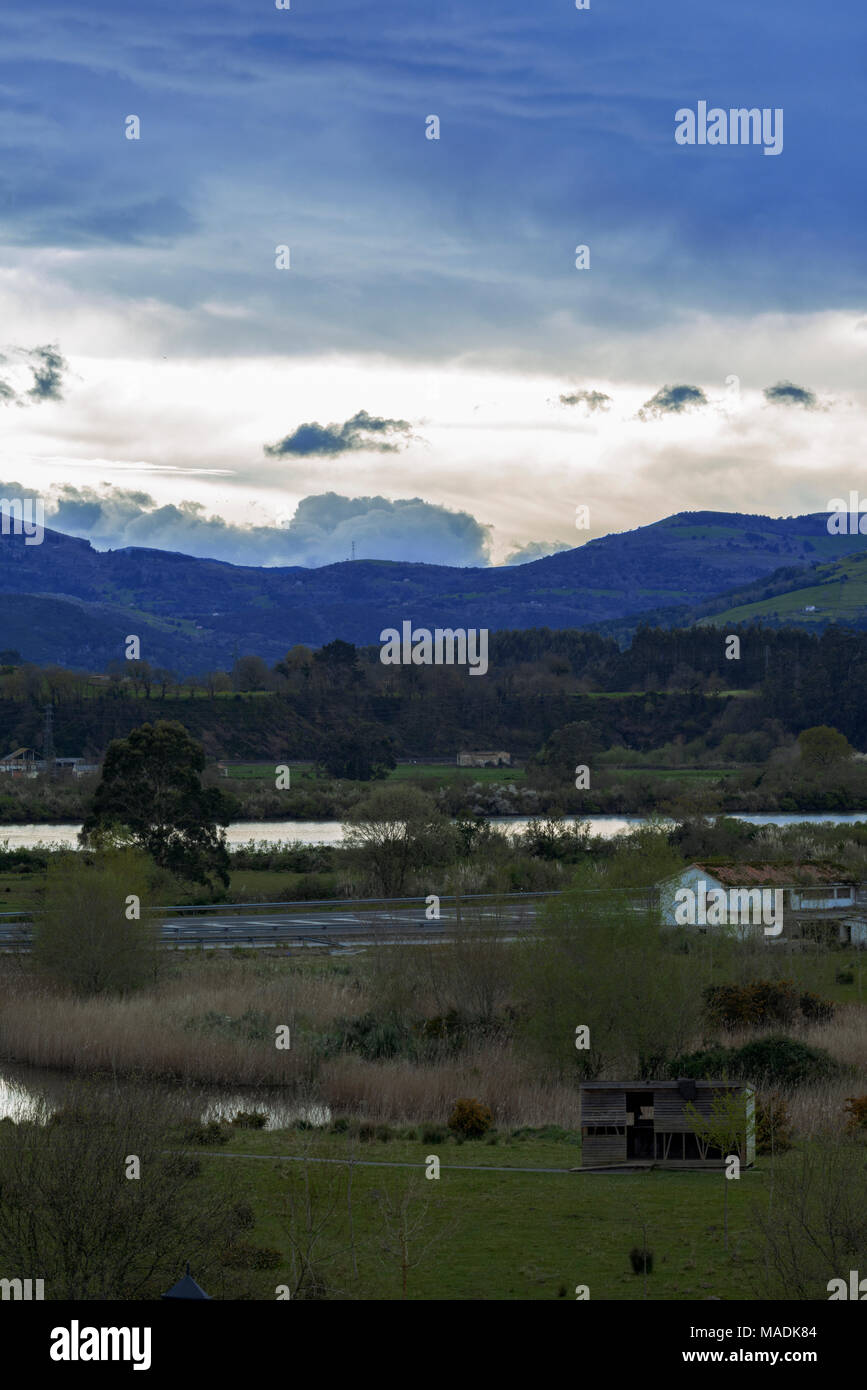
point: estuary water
(330, 832)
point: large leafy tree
(357, 751)
(151, 794)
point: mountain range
(63, 601)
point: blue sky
(431, 282)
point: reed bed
(406, 1092)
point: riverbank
(628, 791)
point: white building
(815, 900)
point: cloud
(47, 373)
(672, 400)
(593, 400)
(358, 433)
(320, 531)
(46, 367)
(536, 550)
(786, 393)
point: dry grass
(158, 1033)
(406, 1092)
(817, 1110)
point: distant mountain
(65, 602)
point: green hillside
(838, 594)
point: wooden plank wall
(603, 1108)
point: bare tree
(406, 1225)
(76, 1212)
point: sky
(427, 373)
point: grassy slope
(840, 596)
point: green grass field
(439, 774)
(502, 1235)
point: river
(330, 832)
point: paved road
(335, 928)
(402, 924)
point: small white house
(772, 901)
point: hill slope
(193, 613)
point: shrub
(250, 1119)
(245, 1217)
(857, 1108)
(212, 1133)
(340, 1125)
(383, 1133)
(815, 1009)
(641, 1260)
(708, 1063)
(366, 1133)
(775, 1060)
(433, 1134)
(783, 1062)
(773, 1126)
(470, 1119)
(845, 976)
(757, 1003)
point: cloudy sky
(431, 377)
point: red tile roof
(734, 874)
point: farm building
(638, 1122)
(496, 759)
(817, 900)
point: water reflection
(35, 1093)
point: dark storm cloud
(432, 263)
(46, 366)
(787, 393)
(672, 400)
(594, 400)
(363, 431)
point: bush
(773, 1126)
(244, 1256)
(372, 1037)
(846, 976)
(212, 1133)
(434, 1134)
(775, 1060)
(763, 1002)
(783, 1062)
(250, 1119)
(366, 1134)
(383, 1133)
(857, 1108)
(245, 1217)
(760, 1002)
(816, 1010)
(641, 1260)
(470, 1119)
